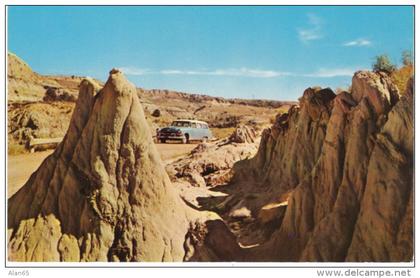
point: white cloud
(337, 72)
(134, 71)
(169, 72)
(313, 31)
(358, 42)
(244, 72)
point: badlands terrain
(41, 106)
(329, 178)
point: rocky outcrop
(23, 83)
(58, 94)
(38, 120)
(202, 98)
(348, 160)
(210, 163)
(212, 242)
(290, 148)
(384, 227)
(243, 134)
(18, 69)
(46, 97)
(103, 195)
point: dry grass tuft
(15, 149)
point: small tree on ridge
(407, 58)
(383, 63)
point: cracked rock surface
(347, 162)
(103, 195)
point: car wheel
(186, 139)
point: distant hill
(25, 85)
(41, 105)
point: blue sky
(249, 52)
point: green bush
(383, 63)
(407, 58)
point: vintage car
(184, 131)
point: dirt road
(20, 167)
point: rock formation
(210, 163)
(289, 150)
(38, 120)
(103, 195)
(58, 94)
(332, 180)
(23, 83)
(348, 162)
(48, 101)
(243, 134)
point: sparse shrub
(156, 113)
(383, 63)
(14, 148)
(407, 58)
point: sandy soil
(20, 167)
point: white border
(297, 267)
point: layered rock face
(38, 120)
(243, 134)
(289, 150)
(23, 83)
(210, 164)
(348, 161)
(103, 195)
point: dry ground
(20, 167)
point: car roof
(192, 121)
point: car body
(185, 130)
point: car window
(180, 124)
(189, 124)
